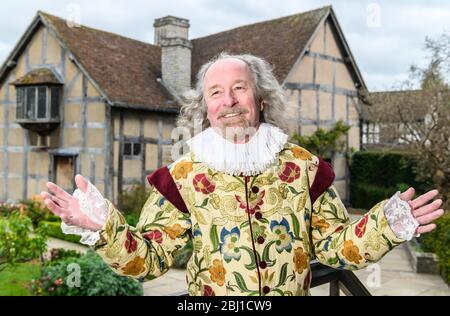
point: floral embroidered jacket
(252, 235)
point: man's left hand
(424, 209)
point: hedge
(438, 241)
(377, 175)
(54, 230)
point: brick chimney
(171, 33)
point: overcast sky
(386, 37)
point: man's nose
(229, 98)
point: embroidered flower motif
(290, 172)
(229, 244)
(135, 266)
(259, 230)
(254, 203)
(182, 169)
(197, 240)
(283, 236)
(351, 252)
(373, 240)
(300, 259)
(360, 228)
(130, 243)
(174, 231)
(155, 235)
(203, 183)
(301, 153)
(217, 272)
(320, 224)
(207, 291)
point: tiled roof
(128, 71)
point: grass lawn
(13, 281)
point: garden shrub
(133, 199)
(95, 279)
(377, 175)
(54, 230)
(438, 242)
(19, 241)
(57, 254)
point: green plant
(88, 275)
(54, 230)
(377, 175)
(57, 254)
(19, 242)
(438, 241)
(133, 199)
(364, 195)
(325, 143)
(37, 211)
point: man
(257, 208)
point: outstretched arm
(146, 250)
(352, 245)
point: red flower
(253, 205)
(58, 281)
(203, 183)
(208, 291)
(130, 243)
(290, 172)
(155, 235)
(360, 228)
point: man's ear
(262, 105)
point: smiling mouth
(231, 115)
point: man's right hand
(67, 207)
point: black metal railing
(339, 280)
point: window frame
(22, 108)
(132, 154)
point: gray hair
(194, 110)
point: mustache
(234, 111)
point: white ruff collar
(248, 159)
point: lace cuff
(399, 217)
(94, 206)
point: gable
(328, 46)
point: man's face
(229, 92)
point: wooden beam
(320, 87)
(84, 112)
(109, 150)
(5, 143)
(160, 143)
(25, 165)
(299, 113)
(44, 45)
(92, 168)
(145, 140)
(318, 108)
(143, 155)
(333, 94)
(27, 60)
(321, 56)
(120, 165)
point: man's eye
(239, 88)
(215, 93)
